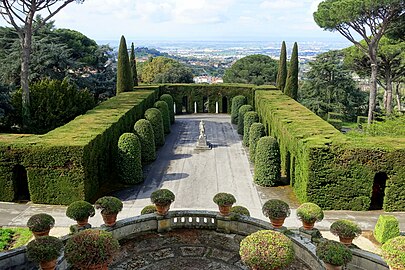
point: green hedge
(144, 130)
(242, 110)
(387, 227)
(237, 102)
(170, 103)
(129, 159)
(267, 162)
(74, 161)
(249, 119)
(256, 131)
(164, 109)
(154, 116)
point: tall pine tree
(282, 68)
(125, 82)
(291, 85)
(132, 62)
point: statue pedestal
(202, 143)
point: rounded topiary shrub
(154, 116)
(267, 170)
(44, 249)
(237, 102)
(333, 252)
(129, 159)
(267, 250)
(345, 228)
(257, 130)
(248, 120)
(170, 103)
(80, 210)
(164, 109)
(387, 227)
(310, 212)
(242, 110)
(240, 210)
(144, 130)
(149, 209)
(393, 252)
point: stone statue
(202, 143)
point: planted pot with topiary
(110, 207)
(266, 250)
(224, 202)
(80, 211)
(276, 211)
(240, 210)
(393, 252)
(346, 230)
(91, 249)
(333, 254)
(40, 224)
(149, 209)
(45, 250)
(309, 213)
(162, 198)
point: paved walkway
(195, 176)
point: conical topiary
(129, 159)
(144, 130)
(257, 130)
(154, 116)
(164, 109)
(248, 119)
(291, 85)
(242, 110)
(282, 68)
(237, 102)
(125, 82)
(132, 63)
(267, 171)
(170, 103)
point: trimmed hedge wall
(249, 119)
(129, 159)
(170, 103)
(256, 131)
(164, 109)
(242, 110)
(267, 162)
(154, 116)
(326, 167)
(237, 102)
(144, 130)
(72, 162)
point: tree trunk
(398, 97)
(373, 83)
(388, 79)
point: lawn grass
(11, 238)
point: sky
(236, 20)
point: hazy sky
(194, 20)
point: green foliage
(237, 102)
(393, 252)
(165, 70)
(40, 222)
(310, 212)
(242, 110)
(154, 116)
(6, 236)
(267, 171)
(125, 82)
(91, 247)
(144, 130)
(177, 73)
(390, 127)
(14, 237)
(282, 68)
(386, 228)
(164, 109)
(240, 210)
(170, 103)
(333, 252)
(44, 249)
(253, 69)
(291, 85)
(80, 210)
(109, 205)
(256, 131)
(222, 199)
(248, 120)
(345, 228)
(275, 208)
(162, 196)
(149, 209)
(129, 159)
(268, 250)
(53, 104)
(132, 62)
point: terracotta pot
(109, 219)
(277, 222)
(162, 209)
(39, 234)
(332, 267)
(96, 267)
(308, 225)
(51, 265)
(346, 240)
(225, 210)
(83, 222)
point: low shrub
(249, 119)
(241, 114)
(267, 169)
(387, 227)
(224, 199)
(44, 249)
(275, 209)
(109, 205)
(149, 209)
(164, 109)
(144, 130)
(14, 237)
(256, 131)
(237, 102)
(80, 210)
(170, 103)
(40, 222)
(309, 212)
(333, 252)
(162, 196)
(345, 228)
(129, 159)
(240, 210)
(154, 116)
(393, 252)
(267, 249)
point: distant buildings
(208, 79)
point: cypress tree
(291, 85)
(125, 82)
(282, 68)
(132, 62)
